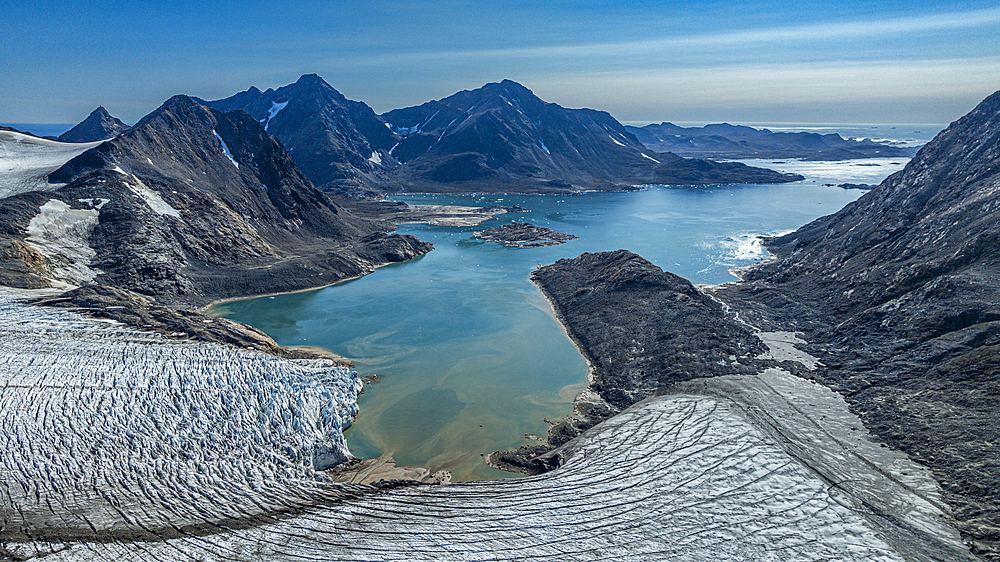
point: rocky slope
(503, 137)
(899, 294)
(99, 125)
(339, 144)
(737, 141)
(190, 205)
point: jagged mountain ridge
(722, 140)
(502, 136)
(99, 125)
(899, 294)
(191, 205)
(339, 144)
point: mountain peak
(312, 79)
(99, 125)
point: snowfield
(26, 162)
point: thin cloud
(954, 21)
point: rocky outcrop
(523, 235)
(723, 140)
(339, 144)
(193, 205)
(502, 137)
(99, 125)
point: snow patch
(226, 149)
(375, 158)
(61, 234)
(545, 148)
(275, 108)
(152, 198)
(650, 157)
(614, 140)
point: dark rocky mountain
(99, 125)
(899, 294)
(190, 205)
(503, 137)
(340, 145)
(723, 140)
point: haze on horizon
(751, 62)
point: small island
(523, 235)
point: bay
(469, 354)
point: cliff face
(900, 294)
(191, 205)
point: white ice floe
(226, 150)
(273, 110)
(61, 234)
(375, 158)
(26, 162)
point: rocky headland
(523, 235)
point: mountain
(189, 206)
(340, 145)
(503, 137)
(899, 296)
(723, 140)
(99, 125)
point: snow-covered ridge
(26, 162)
(111, 429)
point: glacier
(120, 444)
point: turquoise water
(469, 354)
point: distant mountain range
(740, 142)
(500, 137)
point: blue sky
(746, 62)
